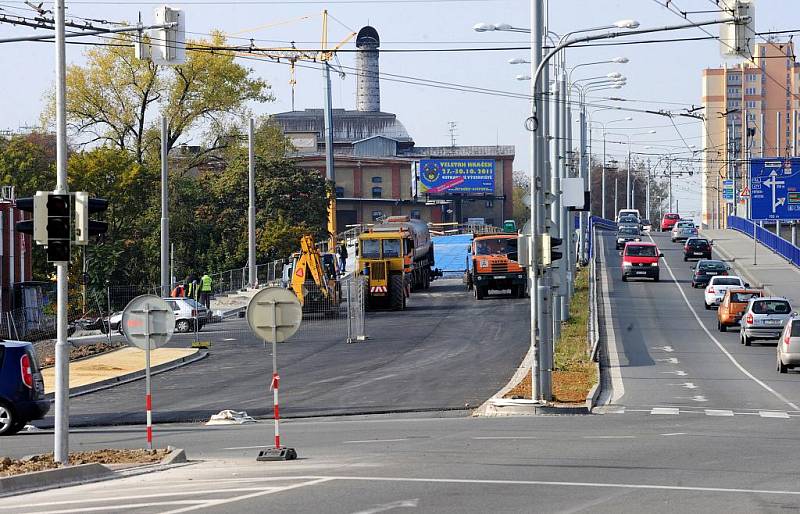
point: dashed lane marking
(665, 410)
(718, 412)
(773, 414)
(377, 441)
(504, 437)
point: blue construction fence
(772, 241)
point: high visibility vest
(205, 283)
(192, 290)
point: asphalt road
(671, 354)
(396, 463)
(446, 351)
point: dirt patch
(574, 374)
(45, 461)
(45, 351)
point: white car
(717, 286)
(789, 345)
(186, 310)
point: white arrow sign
(773, 184)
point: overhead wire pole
(252, 278)
(165, 280)
(61, 446)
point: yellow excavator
(313, 279)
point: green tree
(27, 163)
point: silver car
(764, 318)
(789, 345)
(683, 232)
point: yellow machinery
(395, 256)
(313, 279)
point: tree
(27, 163)
(116, 99)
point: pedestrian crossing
(676, 411)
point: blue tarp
(450, 252)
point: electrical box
(169, 44)
(737, 36)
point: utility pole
(628, 178)
(616, 195)
(669, 173)
(555, 187)
(603, 177)
(61, 444)
(165, 282)
(567, 225)
(252, 279)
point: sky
(660, 76)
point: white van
(623, 212)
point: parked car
(186, 310)
(21, 387)
(696, 248)
(640, 260)
(669, 220)
(716, 288)
(705, 269)
(732, 306)
(789, 345)
(764, 318)
(626, 234)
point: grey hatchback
(764, 318)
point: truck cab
(492, 265)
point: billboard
(461, 176)
(775, 189)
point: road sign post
(274, 314)
(148, 323)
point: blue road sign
(775, 189)
(727, 190)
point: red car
(669, 220)
(640, 260)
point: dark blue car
(21, 387)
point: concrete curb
(594, 392)
(136, 375)
(175, 456)
(505, 407)
(53, 479)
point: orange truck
(492, 266)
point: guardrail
(772, 241)
(594, 321)
(597, 221)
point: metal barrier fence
(597, 221)
(769, 239)
(593, 321)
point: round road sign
(274, 314)
(148, 320)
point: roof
(348, 126)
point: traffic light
(551, 250)
(84, 227)
(59, 230)
(37, 225)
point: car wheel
(721, 327)
(685, 258)
(746, 340)
(656, 278)
(707, 306)
(182, 325)
(782, 368)
(9, 424)
(624, 278)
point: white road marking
(229, 339)
(719, 412)
(674, 433)
(195, 504)
(773, 414)
(246, 447)
(214, 503)
(699, 398)
(186, 492)
(566, 484)
(665, 410)
(667, 349)
(505, 437)
(615, 371)
(609, 437)
(412, 503)
(377, 441)
(689, 385)
(741, 368)
(676, 372)
(671, 360)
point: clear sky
(660, 75)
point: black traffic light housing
(555, 248)
(84, 227)
(59, 227)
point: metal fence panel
(769, 239)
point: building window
(415, 214)
(339, 192)
(751, 116)
(733, 103)
(377, 192)
(489, 204)
(376, 215)
(751, 77)
(733, 77)
(751, 104)
(377, 180)
(750, 91)
(734, 91)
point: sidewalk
(114, 365)
(771, 271)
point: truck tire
(427, 274)
(397, 294)
(480, 292)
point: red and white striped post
(274, 386)
(148, 398)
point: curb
(54, 478)
(594, 392)
(133, 376)
(505, 407)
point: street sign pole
(275, 377)
(148, 398)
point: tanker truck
(396, 257)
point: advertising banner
(462, 176)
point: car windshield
(698, 243)
(672, 217)
(640, 251)
(628, 231)
(371, 249)
(743, 297)
(193, 304)
(496, 246)
(726, 281)
(771, 307)
(711, 266)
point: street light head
(523, 77)
(502, 26)
(627, 24)
(517, 60)
(483, 27)
(621, 60)
(614, 75)
(616, 86)
(651, 131)
(629, 118)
